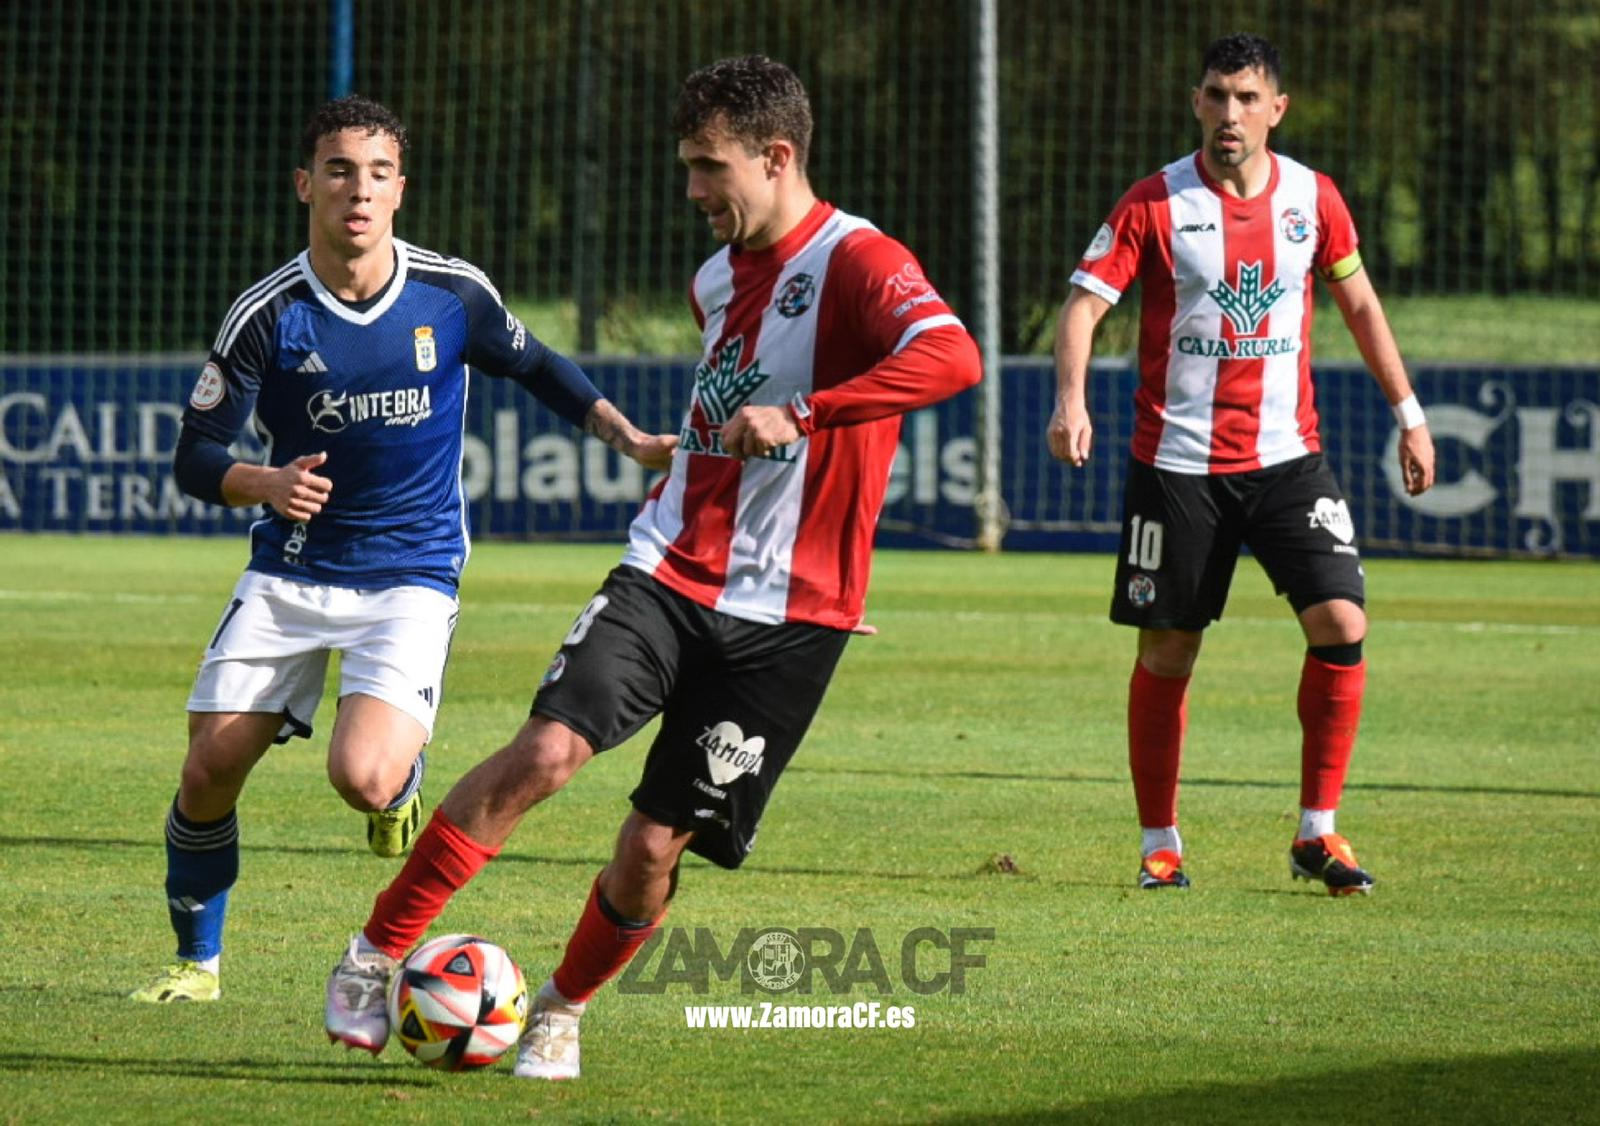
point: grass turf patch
(984, 721)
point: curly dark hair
(1242, 51)
(754, 98)
(352, 112)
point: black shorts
(1181, 536)
(735, 699)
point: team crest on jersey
(208, 389)
(796, 296)
(1247, 304)
(1100, 245)
(1294, 225)
(427, 350)
(1141, 590)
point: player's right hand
(1070, 435)
(295, 492)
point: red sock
(442, 860)
(602, 943)
(1330, 712)
(1157, 712)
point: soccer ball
(458, 1002)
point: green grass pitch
(985, 720)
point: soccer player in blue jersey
(353, 357)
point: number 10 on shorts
(1144, 543)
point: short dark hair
(1242, 51)
(352, 112)
(754, 98)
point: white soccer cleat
(357, 1011)
(549, 1045)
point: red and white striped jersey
(837, 321)
(1225, 325)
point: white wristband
(1408, 413)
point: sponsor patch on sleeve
(1100, 245)
(209, 388)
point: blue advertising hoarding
(86, 445)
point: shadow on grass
(157, 843)
(591, 863)
(1242, 783)
(1518, 1087)
(337, 1073)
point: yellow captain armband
(1344, 267)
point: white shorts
(270, 650)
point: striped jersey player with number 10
(1225, 446)
(353, 359)
(745, 571)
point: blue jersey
(381, 387)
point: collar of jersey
(339, 308)
(1263, 196)
(791, 244)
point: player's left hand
(757, 431)
(1416, 459)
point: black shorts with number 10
(735, 699)
(1181, 535)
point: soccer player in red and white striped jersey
(746, 569)
(1226, 451)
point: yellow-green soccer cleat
(389, 831)
(181, 981)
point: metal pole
(341, 47)
(586, 198)
(988, 508)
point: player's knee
(544, 755)
(364, 787)
(647, 849)
(214, 766)
(203, 776)
(1169, 653)
(1336, 622)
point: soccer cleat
(389, 831)
(1162, 869)
(357, 1012)
(181, 981)
(1330, 859)
(548, 1048)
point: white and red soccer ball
(457, 1002)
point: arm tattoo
(605, 422)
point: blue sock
(419, 767)
(202, 865)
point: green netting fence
(146, 145)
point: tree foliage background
(146, 150)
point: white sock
(1315, 823)
(554, 996)
(1157, 839)
(212, 964)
